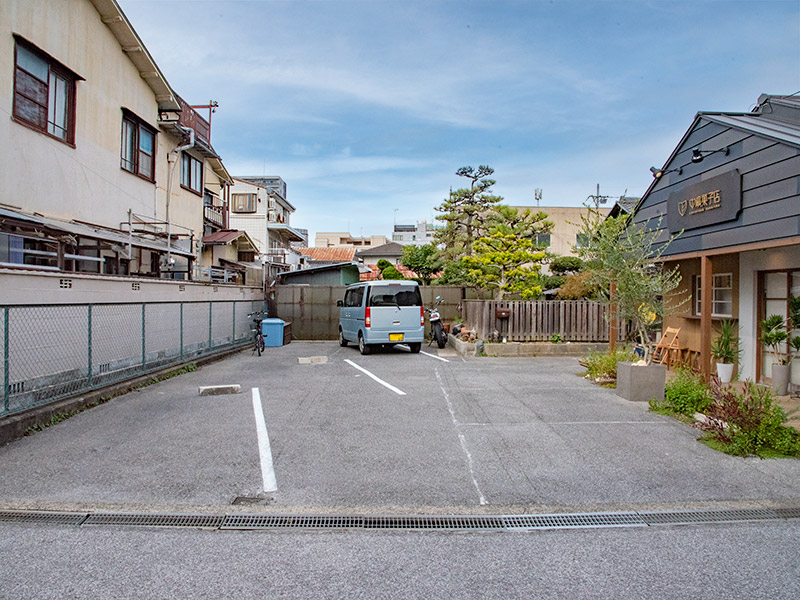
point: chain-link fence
(55, 351)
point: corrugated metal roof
(19, 216)
(783, 131)
(291, 234)
(97, 232)
(222, 237)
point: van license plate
(395, 337)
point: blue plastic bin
(272, 330)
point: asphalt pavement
(466, 435)
(390, 433)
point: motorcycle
(437, 329)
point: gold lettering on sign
(702, 203)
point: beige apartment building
(107, 170)
(342, 239)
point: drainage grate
(405, 522)
(35, 516)
(788, 513)
(574, 521)
(445, 522)
(292, 522)
(684, 517)
(155, 520)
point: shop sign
(708, 202)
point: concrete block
(641, 384)
(312, 360)
(218, 390)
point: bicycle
(258, 336)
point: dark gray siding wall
(770, 173)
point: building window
(581, 240)
(44, 93)
(244, 203)
(138, 147)
(191, 173)
(543, 240)
(35, 252)
(721, 295)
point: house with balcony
(108, 171)
(258, 206)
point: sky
(366, 108)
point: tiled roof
(405, 271)
(391, 248)
(328, 254)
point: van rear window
(395, 295)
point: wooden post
(705, 317)
(612, 322)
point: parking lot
(390, 432)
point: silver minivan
(382, 313)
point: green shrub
(749, 422)
(391, 272)
(686, 393)
(603, 365)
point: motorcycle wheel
(441, 338)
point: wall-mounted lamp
(698, 155)
(657, 173)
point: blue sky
(367, 108)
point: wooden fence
(314, 315)
(537, 321)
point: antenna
(537, 194)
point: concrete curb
(15, 426)
(511, 349)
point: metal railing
(53, 351)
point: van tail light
(367, 318)
(422, 316)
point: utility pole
(597, 198)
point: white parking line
(434, 356)
(264, 450)
(462, 439)
(381, 381)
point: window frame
(716, 303)
(195, 167)
(252, 203)
(138, 126)
(57, 70)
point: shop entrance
(776, 288)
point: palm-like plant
(726, 347)
(774, 333)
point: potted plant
(773, 335)
(726, 350)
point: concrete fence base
(527, 348)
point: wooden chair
(669, 349)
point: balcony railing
(216, 215)
(277, 255)
(190, 118)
